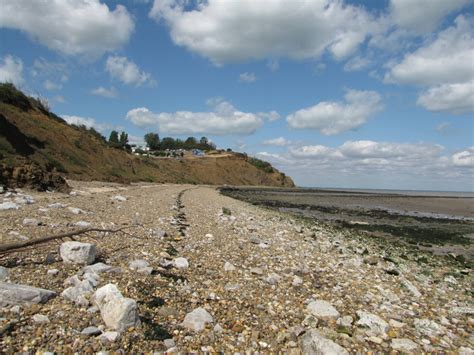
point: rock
(297, 281)
(15, 294)
(373, 322)
(56, 205)
(33, 222)
(231, 287)
(75, 210)
(404, 345)
(40, 319)
(138, 264)
(50, 258)
(98, 268)
(428, 327)
(312, 342)
(410, 287)
(146, 270)
(322, 310)
(118, 312)
(256, 271)
(24, 200)
(109, 337)
(345, 321)
(4, 273)
(82, 224)
(52, 272)
(371, 260)
(465, 351)
(392, 271)
(119, 198)
(78, 253)
(396, 324)
(79, 292)
(459, 311)
(169, 343)
(272, 279)
(218, 329)
(375, 340)
(229, 267)
(180, 263)
(197, 319)
(89, 331)
(8, 206)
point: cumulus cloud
(357, 63)
(86, 121)
(445, 67)
(11, 70)
(224, 119)
(247, 77)
(104, 92)
(280, 142)
(331, 118)
(126, 71)
(422, 16)
(71, 27)
(464, 158)
(232, 31)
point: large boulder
(78, 253)
(13, 294)
(372, 321)
(312, 342)
(118, 312)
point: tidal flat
(442, 223)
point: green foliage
(114, 138)
(10, 95)
(152, 140)
(226, 211)
(261, 164)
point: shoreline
(258, 273)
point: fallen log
(11, 247)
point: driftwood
(11, 247)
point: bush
(226, 211)
(261, 164)
(10, 95)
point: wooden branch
(10, 247)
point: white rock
(52, 272)
(428, 327)
(31, 222)
(312, 342)
(181, 263)
(91, 331)
(465, 351)
(118, 312)
(8, 206)
(297, 281)
(78, 253)
(273, 278)
(410, 287)
(24, 200)
(138, 264)
(218, 328)
(56, 205)
(119, 198)
(82, 224)
(373, 322)
(322, 310)
(79, 292)
(75, 210)
(169, 343)
(4, 273)
(345, 321)
(98, 268)
(458, 311)
(15, 294)
(228, 266)
(197, 319)
(404, 345)
(109, 337)
(40, 319)
(396, 324)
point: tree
(190, 143)
(114, 137)
(204, 141)
(167, 143)
(123, 140)
(152, 140)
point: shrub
(9, 94)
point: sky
(354, 94)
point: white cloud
(104, 92)
(224, 119)
(450, 98)
(464, 158)
(11, 70)
(49, 85)
(60, 99)
(443, 127)
(357, 63)
(335, 117)
(280, 142)
(446, 60)
(71, 27)
(232, 31)
(423, 16)
(126, 71)
(247, 77)
(87, 121)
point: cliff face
(34, 140)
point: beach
(207, 273)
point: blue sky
(369, 94)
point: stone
(138, 264)
(50, 258)
(465, 351)
(371, 260)
(75, 210)
(345, 321)
(109, 337)
(396, 324)
(169, 343)
(458, 311)
(256, 271)
(180, 263)
(118, 312)
(119, 198)
(52, 272)
(8, 206)
(218, 329)
(79, 292)
(297, 281)
(404, 345)
(56, 205)
(89, 331)
(197, 319)
(82, 224)
(14, 294)
(32, 222)
(98, 268)
(312, 342)
(272, 279)
(4, 273)
(40, 319)
(229, 267)
(322, 310)
(428, 327)
(373, 322)
(78, 253)
(410, 287)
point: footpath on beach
(183, 268)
